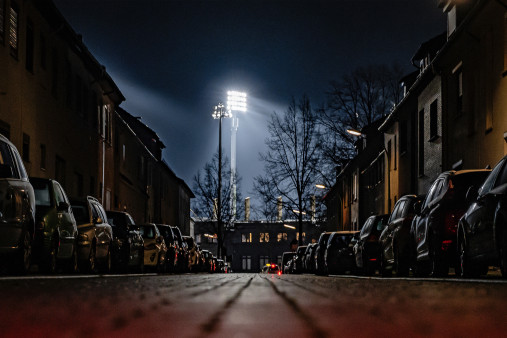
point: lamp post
(358, 133)
(218, 113)
(236, 101)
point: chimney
(247, 209)
(279, 208)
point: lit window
(264, 237)
(246, 238)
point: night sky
(175, 60)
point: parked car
(208, 261)
(271, 268)
(220, 266)
(435, 227)
(482, 231)
(95, 235)
(310, 258)
(183, 265)
(17, 209)
(128, 244)
(367, 249)
(193, 254)
(395, 240)
(298, 260)
(286, 257)
(154, 247)
(320, 263)
(55, 240)
(339, 254)
(171, 245)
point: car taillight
(372, 259)
(279, 273)
(451, 221)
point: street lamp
(236, 101)
(218, 114)
(358, 133)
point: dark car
(310, 258)
(339, 255)
(320, 263)
(435, 227)
(286, 257)
(367, 249)
(482, 231)
(17, 209)
(183, 262)
(172, 246)
(298, 260)
(194, 254)
(207, 261)
(396, 241)
(95, 234)
(128, 244)
(55, 240)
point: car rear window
(461, 183)
(42, 196)
(80, 212)
(147, 231)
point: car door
(102, 235)
(386, 238)
(481, 216)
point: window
(198, 238)
(421, 143)
(140, 168)
(107, 124)
(43, 156)
(42, 51)
(26, 147)
(297, 236)
(434, 120)
(246, 238)
(263, 260)
(2, 21)
(14, 29)
(488, 183)
(123, 154)
(281, 236)
(264, 237)
(29, 46)
(354, 185)
(6, 158)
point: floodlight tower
(236, 101)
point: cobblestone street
(248, 305)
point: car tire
(24, 257)
(72, 264)
(92, 260)
(51, 263)
(401, 262)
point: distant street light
(236, 101)
(218, 113)
(320, 186)
(290, 226)
(298, 212)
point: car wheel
(438, 265)
(92, 260)
(72, 265)
(503, 254)
(106, 265)
(401, 262)
(384, 272)
(25, 254)
(52, 262)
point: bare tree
(291, 161)
(355, 101)
(206, 193)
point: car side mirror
(6, 171)
(62, 206)
(472, 194)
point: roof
(430, 47)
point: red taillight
(273, 266)
(446, 245)
(279, 273)
(451, 221)
(372, 259)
